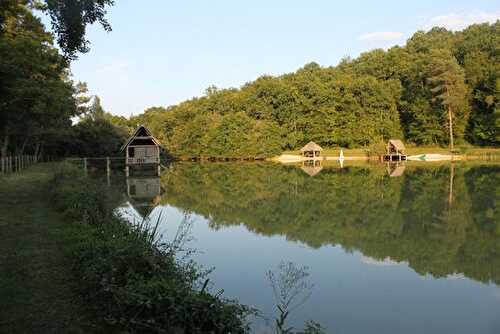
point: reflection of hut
(141, 149)
(311, 150)
(144, 192)
(395, 150)
(395, 169)
(311, 167)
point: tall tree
(36, 94)
(447, 79)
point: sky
(163, 52)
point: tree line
(38, 99)
(441, 88)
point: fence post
(108, 170)
(85, 165)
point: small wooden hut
(311, 150)
(142, 148)
(395, 150)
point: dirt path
(37, 289)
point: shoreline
(425, 157)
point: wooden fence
(107, 163)
(16, 163)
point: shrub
(133, 279)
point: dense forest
(441, 88)
(38, 100)
(409, 92)
(418, 218)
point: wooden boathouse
(141, 149)
(395, 151)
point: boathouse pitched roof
(141, 131)
(311, 170)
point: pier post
(108, 170)
(108, 165)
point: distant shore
(424, 153)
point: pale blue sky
(163, 52)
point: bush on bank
(134, 281)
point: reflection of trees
(409, 218)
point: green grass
(37, 286)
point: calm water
(415, 252)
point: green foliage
(70, 19)
(96, 134)
(135, 282)
(448, 88)
(402, 92)
(36, 97)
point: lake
(367, 248)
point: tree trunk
(5, 144)
(37, 151)
(450, 123)
(450, 189)
(23, 146)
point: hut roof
(311, 170)
(396, 171)
(141, 131)
(311, 146)
(398, 144)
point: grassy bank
(133, 279)
(37, 285)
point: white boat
(430, 157)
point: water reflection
(395, 169)
(398, 252)
(407, 218)
(311, 167)
(144, 193)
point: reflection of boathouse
(395, 169)
(311, 167)
(144, 193)
(311, 150)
